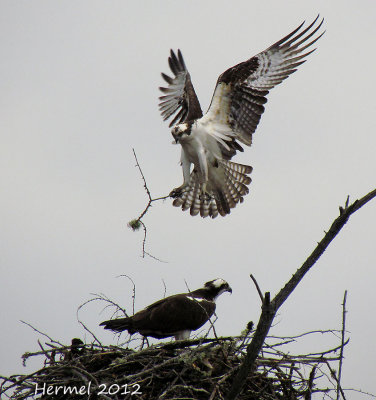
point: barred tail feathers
(225, 192)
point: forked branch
(270, 308)
(137, 223)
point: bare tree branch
(339, 389)
(270, 308)
(258, 288)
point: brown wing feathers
(249, 82)
(165, 317)
(180, 97)
(238, 102)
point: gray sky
(78, 90)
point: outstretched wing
(180, 97)
(239, 97)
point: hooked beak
(229, 290)
(175, 135)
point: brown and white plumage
(215, 185)
(175, 315)
(235, 178)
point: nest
(183, 370)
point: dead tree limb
(258, 288)
(270, 308)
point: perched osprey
(215, 185)
(175, 315)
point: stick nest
(190, 369)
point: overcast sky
(78, 90)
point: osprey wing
(180, 97)
(239, 97)
(176, 313)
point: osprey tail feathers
(226, 187)
(119, 325)
(233, 187)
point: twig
(137, 223)
(338, 386)
(103, 297)
(181, 344)
(44, 334)
(258, 288)
(342, 346)
(361, 392)
(270, 308)
(333, 331)
(133, 291)
(84, 326)
(49, 357)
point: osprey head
(181, 131)
(217, 287)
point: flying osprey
(175, 315)
(215, 185)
